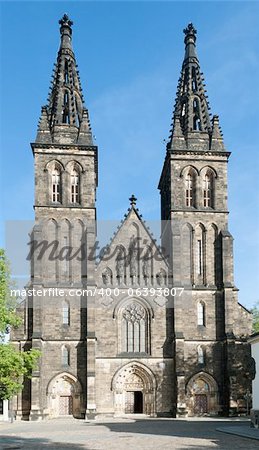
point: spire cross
(133, 200)
(65, 21)
(190, 32)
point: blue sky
(129, 56)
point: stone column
(91, 339)
(36, 394)
(179, 374)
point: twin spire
(65, 119)
(192, 127)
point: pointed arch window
(56, 185)
(201, 314)
(65, 355)
(200, 355)
(135, 326)
(65, 313)
(194, 80)
(66, 116)
(77, 112)
(185, 81)
(199, 256)
(66, 73)
(196, 115)
(66, 99)
(207, 190)
(189, 189)
(74, 186)
(196, 106)
(196, 123)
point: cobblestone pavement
(112, 434)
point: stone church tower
(142, 328)
(65, 159)
(211, 325)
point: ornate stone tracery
(134, 312)
(107, 276)
(161, 277)
(134, 326)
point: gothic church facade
(134, 350)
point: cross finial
(190, 29)
(65, 21)
(133, 200)
(190, 34)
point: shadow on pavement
(134, 434)
(185, 429)
(17, 443)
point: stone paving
(122, 434)
(242, 430)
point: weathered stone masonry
(134, 354)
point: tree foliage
(8, 317)
(14, 364)
(255, 312)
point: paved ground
(149, 434)
(243, 430)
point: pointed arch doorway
(202, 395)
(134, 388)
(65, 396)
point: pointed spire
(190, 39)
(191, 106)
(217, 142)
(43, 133)
(177, 139)
(85, 134)
(66, 32)
(65, 115)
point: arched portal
(134, 388)
(65, 396)
(202, 395)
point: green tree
(255, 312)
(14, 364)
(8, 317)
